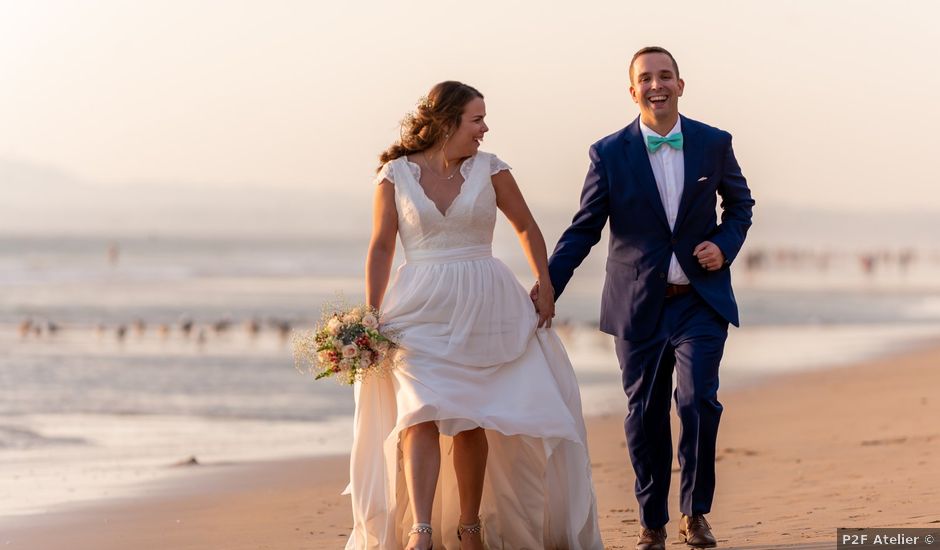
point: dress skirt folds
(472, 356)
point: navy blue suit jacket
(620, 187)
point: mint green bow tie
(653, 143)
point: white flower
(366, 357)
(350, 350)
(334, 325)
(369, 321)
(338, 344)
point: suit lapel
(640, 165)
(693, 151)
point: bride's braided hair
(436, 114)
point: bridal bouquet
(346, 344)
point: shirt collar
(647, 132)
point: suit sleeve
(736, 206)
(586, 227)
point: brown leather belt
(677, 290)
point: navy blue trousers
(689, 339)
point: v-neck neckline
(446, 211)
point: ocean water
(102, 391)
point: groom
(667, 299)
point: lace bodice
(469, 219)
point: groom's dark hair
(652, 49)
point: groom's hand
(709, 256)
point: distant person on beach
(479, 365)
(667, 299)
(114, 254)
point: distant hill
(40, 200)
(37, 199)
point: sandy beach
(800, 455)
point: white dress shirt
(669, 170)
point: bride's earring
(446, 138)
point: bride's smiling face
(465, 139)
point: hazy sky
(832, 104)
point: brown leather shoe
(651, 539)
(695, 531)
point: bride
(481, 378)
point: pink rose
(350, 351)
(333, 326)
(369, 321)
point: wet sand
(799, 456)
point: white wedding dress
(471, 356)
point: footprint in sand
(886, 441)
(734, 451)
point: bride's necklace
(427, 165)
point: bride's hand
(543, 296)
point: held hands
(709, 256)
(543, 297)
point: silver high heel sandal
(474, 529)
(423, 529)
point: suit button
(662, 275)
(674, 241)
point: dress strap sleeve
(385, 173)
(497, 165)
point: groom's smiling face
(655, 87)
